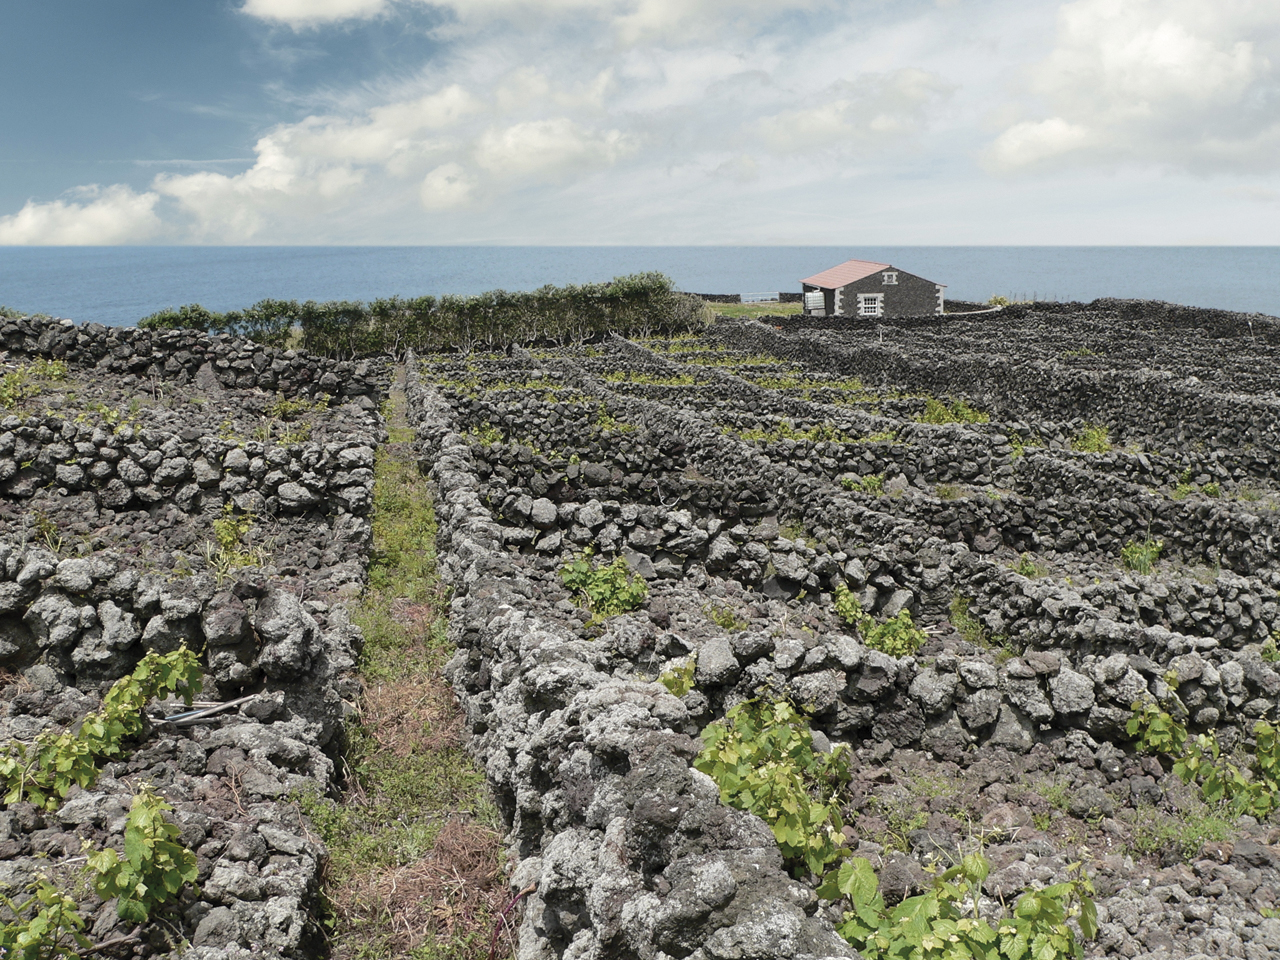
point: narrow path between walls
(414, 868)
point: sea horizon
(119, 285)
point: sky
(640, 122)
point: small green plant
(724, 617)
(935, 411)
(1254, 790)
(1140, 556)
(872, 483)
(884, 436)
(679, 680)
(1017, 448)
(1092, 438)
(1211, 489)
(154, 867)
(1031, 568)
(762, 758)
(1182, 490)
(43, 772)
(898, 636)
(968, 626)
(282, 408)
(486, 433)
(999, 301)
(229, 551)
(947, 491)
(944, 923)
(45, 926)
(25, 381)
(605, 591)
(1270, 653)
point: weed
(288, 410)
(1092, 438)
(723, 617)
(1211, 489)
(414, 865)
(1031, 568)
(948, 491)
(679, 680)
(605, 591)
(1081, 352)
(229, 551)
(1140, 556)
(968, 626)
(885, 436)
(935, 411)
(872, 483)
(1155, 832)
(1270, 653)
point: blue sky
(640, 121)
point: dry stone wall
(115, 474)
(693, 461)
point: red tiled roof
(845, 273)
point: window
(890, 277)
(871, 304)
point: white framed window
(871, 304)
(890, 277)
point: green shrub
(43, 772)
(1030, 567)
(762, 758)
(944, 923)
(898, 636)
(154, 867)
(1092, 438)
(679, 680)
(1140, 556)
(606, 591)
(1199, 760)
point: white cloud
(310, 13)
(862, 114)
(1180, 83)
(559, 147)
(102, 215)
(446, 187)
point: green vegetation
(47, 924)
(948, 491)
(1030, 567)
(29, 379)
(1270, 653)
(872, 483)
(679, 680)
(770, 308)
(1154, 832)
(1254, 790)
(762, 758)
(898, 636)
(230, 549)
(1092, 438)
(154, 867)
(1081, 352)
(935, 411)
(414, 852)
(885, 436)
(724, 617)
(605, 591)
(944, 923)
(1140, 556)
(44, 771)
(642, 303)
(967, 625)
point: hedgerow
(640, 304)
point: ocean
(119, 285)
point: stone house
(862, 288)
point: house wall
(828, 296)
(911, 296)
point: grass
(1092, 438)
(415, 853)
(750, 310)
(1155, 832)
(1140, 556)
